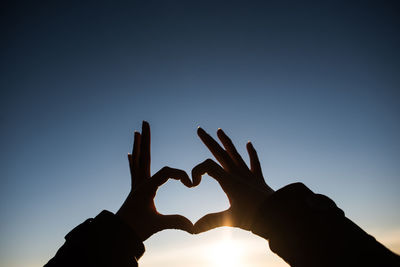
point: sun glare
(225, 253)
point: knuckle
(166, 169)
(209, 161)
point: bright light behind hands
(226, 253)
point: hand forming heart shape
(244, 187)
(139, 210)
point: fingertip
(191, 184)
(199, 228)
(195, 179)
(184, 177)
(249, 145)
(196, 175)
(145, 124)
(187, 182)
(186, 223)
(197, 231)
(196, 183)
(200, 130)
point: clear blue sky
(314, 86)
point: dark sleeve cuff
(103, 241)
(286, 206)
(109, 233)
(308, 229)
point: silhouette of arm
(303, 228)
(116, 240)
(103, 241)
(308, 229)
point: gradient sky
(314, 86)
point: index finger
(230, 148)
(166, 172)
(145, 148)
(219, 153)
(214, 170)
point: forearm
(102, 241)
(308, 229)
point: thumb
(213, 220)
(176, 222)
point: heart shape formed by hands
(245, 187)
(194, 202)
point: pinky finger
(255, 165)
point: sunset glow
(314, 85)
(226, 253)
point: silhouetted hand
(245, 188)
(138, 209)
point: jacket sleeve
(307, 229)
(102, 241)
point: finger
(219, 153)
(214, 170)
(212, 220)
(131, 168)
(134, 158)
(176, 222)
(136, 145)
(255, 165)
(230, 148)
(145, 149)
(165, 173)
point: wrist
(126, 216)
